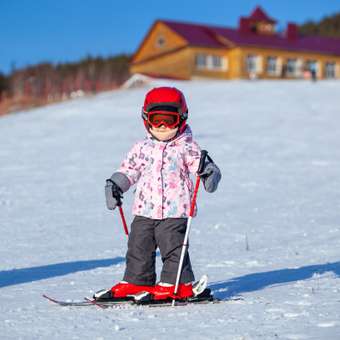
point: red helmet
(167, 100)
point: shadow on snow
(24, 275)
(222, 289)
(251, 282)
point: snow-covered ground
(271, 233)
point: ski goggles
(168, 119)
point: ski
(108, 304)
(147, 299)
(205, 297)
(151, 303)
(68, 303)
(184, 303)
(88, 302)
(202, 295)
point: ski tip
(49, 298)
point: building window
(251, 63)
(291, 67)
(210, 62)
(201, 61)
(217, 61)
(330, 70)
(160, 42)
(272, 66)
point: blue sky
(33, 31)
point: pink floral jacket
(162, 173)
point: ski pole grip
(204, 154)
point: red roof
(195, 34)
(207, 36)
(260, 15)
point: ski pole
(123, 219)
(204, 154)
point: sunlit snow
(270, 234)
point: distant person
(253, 75)
(306, 74)
(161, 165)
(313, 74)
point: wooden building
(252, 50)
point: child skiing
(160, 165)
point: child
(160, 165)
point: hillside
(270, 234)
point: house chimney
(292, 31)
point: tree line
(327, 27)
(46, 82)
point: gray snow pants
(145, 236)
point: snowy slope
(271, 233)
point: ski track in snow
(271, 233)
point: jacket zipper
(162, 182)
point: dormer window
(265, 28)
(258, 22)
(160, 42)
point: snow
(271, 233)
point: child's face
(163, 133)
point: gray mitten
(115, 186)
(211, 175)
(113, 194)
